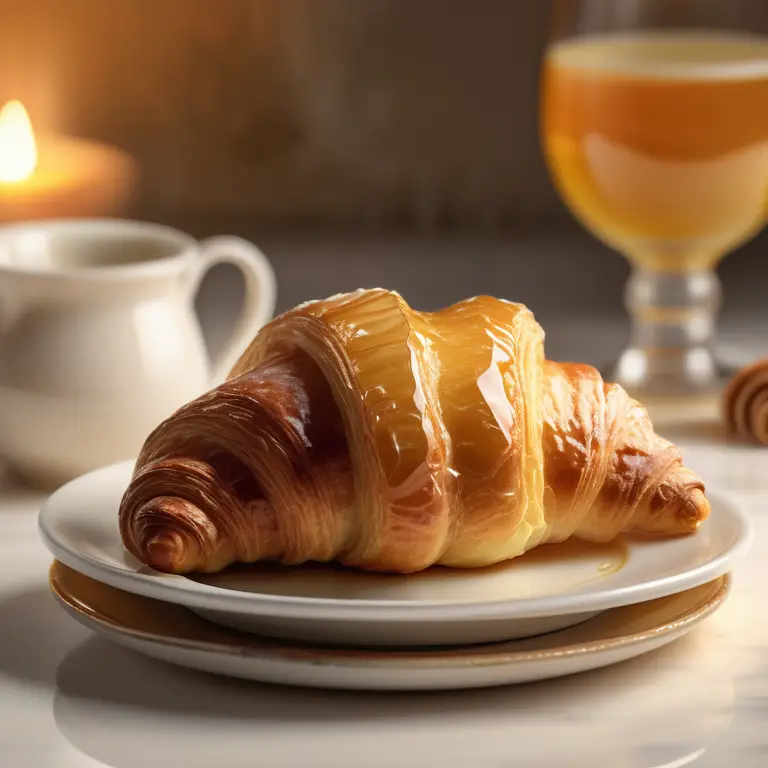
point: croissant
(361, 431)
(745, 403)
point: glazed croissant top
(359, 430)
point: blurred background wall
(316, 113)
(312, 117)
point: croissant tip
(701, 506)
(164, 552)
(691, 514)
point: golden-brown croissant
(359, 430)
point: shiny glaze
(546, 570)
(359, 430)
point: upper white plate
(549, 588)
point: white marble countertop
(71, 700)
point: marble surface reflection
(657, 710)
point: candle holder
(55, 176)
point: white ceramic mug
(99, 340)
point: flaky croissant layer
(359, 430)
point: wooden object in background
(745, 403)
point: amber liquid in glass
(658, 141)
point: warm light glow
(18, 152)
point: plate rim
(455, 657)
(192, 594)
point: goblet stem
(673, 318)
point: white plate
(550, 588)
(175, 634)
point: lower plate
(177, 635)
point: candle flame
(18, 151)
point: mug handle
(258, 301)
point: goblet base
(677, 387)
(669, 373)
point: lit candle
(53, 176)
